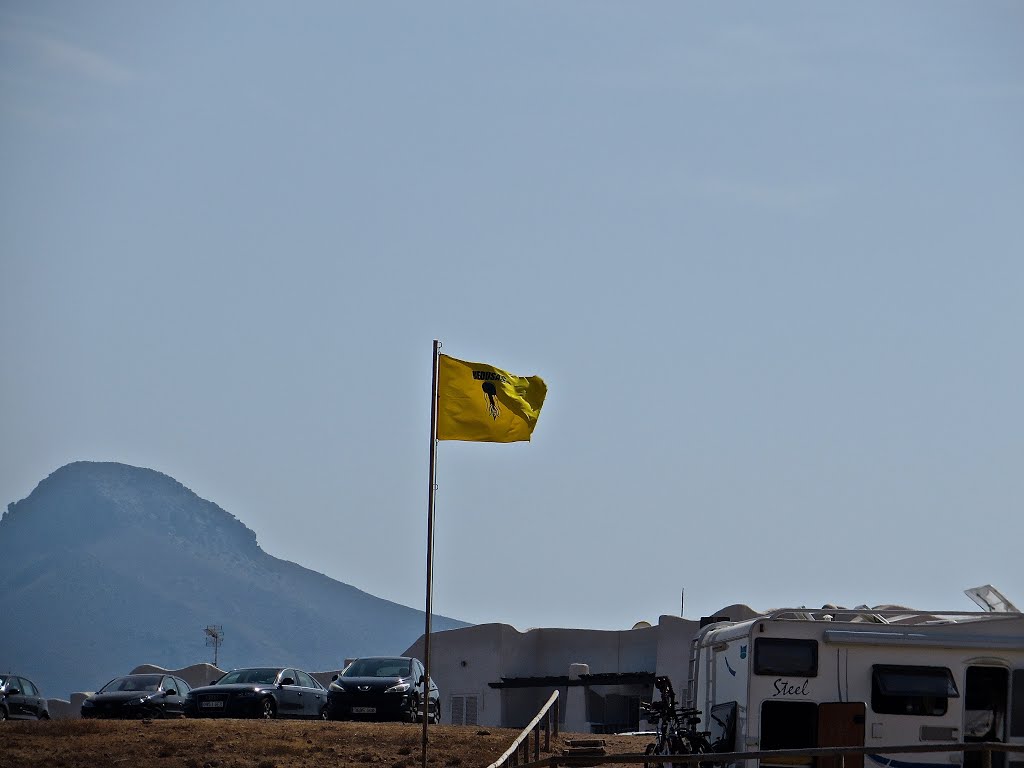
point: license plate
(211, 704)
(364, 710)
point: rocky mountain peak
(86, 502)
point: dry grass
(257, 744)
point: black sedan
(134, 696)
(21, 700)
(260, 692)
(382, 688)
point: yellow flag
(479, 402)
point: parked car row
(372, 688)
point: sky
(768, 258)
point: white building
(493, 674)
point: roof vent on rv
(991, 599)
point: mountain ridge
(108, 565)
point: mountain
(106, 566)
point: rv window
(1017, 704)
(898, 690)
(723, 727)
(780, 656)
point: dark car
(131, 696)
(21, 700)
(260, 692)
(382, 688)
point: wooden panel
(841, 724)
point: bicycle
(677, 728)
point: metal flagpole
(430, 549)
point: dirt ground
(261, 744)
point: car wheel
(435, 713)
(323, 713)
(44, 716)
(267, 709)
(3, 713)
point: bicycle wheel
(699, 745)
(680, 745)
(652, 749)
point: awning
(563, 681)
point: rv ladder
(691, 682)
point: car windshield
(262, 676)
(133, 683)
(377, 668)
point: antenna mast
(215, 637)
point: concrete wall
(674, 637)
(464, 661)
(61, 709)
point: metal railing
(546, 719)
(838, 754)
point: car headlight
(88, 703)
(400, 688)
(139, 701)
(336, 687)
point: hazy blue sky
(768, 257)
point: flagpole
(430, 548)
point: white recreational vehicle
(800, 678)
